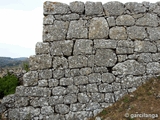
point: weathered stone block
(55, 8)
(118, 33)
(135, 7)
(58, 73)
(83, 47)
(105, 87)
(109, 98)
(59, 48)
(121, 50)
(70, 98)
(47, 110)
(62, 109)
(105, 57)
(30, 78)
(95, 77)
(93, 8)
(111, 21)
(90, 60)
(33, 91)
(145, 57)
(83, 98)
(57, 31)
(45, 74)
(135, 33)
(108, 78)
(77, 107)
(48, 20)
(39, 102)
(77, 61)
(93, 106)
(154, 33)
(59, 91)
(113, 8)
(54, 100)
(92, 88)
(97, 97)
(38, 62)
(77, 7)
(80, 80)
(116, 86)
(119, 94)
(100, 69)
(150, 20)
(85, 71)
(21, 101)
(145, 46)
(132, 67)
(68, 17)
(125, 43)
(125, 20)
(72, 89)
(102, 43)
(66, 81)
(98, 28)
(53, 82)
(74, 72)
(121, 58)
(60, 63)
(77, 29)
(42, 48)
(153, 68)
(43, 83)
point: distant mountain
(9, 62)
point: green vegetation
(25, 66)
(8, 85)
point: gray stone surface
(85, 71)
(92, 88)
(111, 21)
(113, 8)
(77, 61)
(105, 87)
(77, 29)
(39, 102)
(69, 17)
(58, 73)
(108, 78)
(125, 20)
(132, 67)
(55, 8)
(98, 28)
(150, 20)
(54, 100)
(83, 47)
(66, 81)
(77, 7)
(97, 97)
(47, 110)
(61, 108)
(80, 80)
(154, 33)
(38, 62)
(153, 68)
(30, 78)
(95, 77)
(53, 82)
(83, 98)
(145, 57)
(109, 98)
(70, 98)
(42, 48)
(43, 83)
(45, 74)
(93, 8)
(59, 91)
(60, 63)
(55, 32)
(102, 43)
(118, 33)
(136, 33)
(105, 57)
(77, 107)
(48, 20)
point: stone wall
(91, 55)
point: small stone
(47, 110)
(77, 107)
(109, 98)
(80, 80)
(121, 50)
(42, 48)
(72, 89)
(60, 63)
(30, 78)
(98, 28)
(85, 71)
(111, 21)
(154, 33)
(45, 74)
(66, 81)
(92, 106)
(105, 87)
(48, 20)
(59, 90)
(118, 33)
(54, 100)
(58, 74)
(83, 98)
(43, 83)
(39, 102)
(121, 58)
(74, 72)
(108, 78)
(95, 77)
(145, 58)
(70, 98)
(77, 7)
(153, 68)
(113, 8)
(62, 109)
(97, 97)
(53, 82)
(92, 88)
(102, 43)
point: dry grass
(145, 100)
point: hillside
(10, 62)
(141, 104)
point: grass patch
(146, 99)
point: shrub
(25, 66)
(8, 85)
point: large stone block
(77, 29)
(145, 46)
(108, 78)
(83, 98)
(121, 50)
(145, 57)
(135, 7)
(54, 100)
(61, 108)
(95, 77)
(125, 20)
(102, 43)
(42, 48)
(45, 74)
(66, 81)
(77, 7)
(97, 97)
(136, 32)
(153, 68)
(68, 17)
(39, 102)
(105, 87)
(55, 8)
(113, 8)
(92, 88)
(30, 78)
(48, 20)
(93, 8)
(98, 28)
(150, 20)
(57, 31)
(60, 63)
(59, 91)
(59, 48)
(154, 33)
(118, 33)
(38, 62)
(77, 61)
(33, 91)
(105, 57)
(80, 80)
(83, 47)
(129, 67)
(70, 98)
(77, 107)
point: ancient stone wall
(91, 55)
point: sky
(21, 25)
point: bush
(8, 85)
(25, 66)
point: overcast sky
(21, 25)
